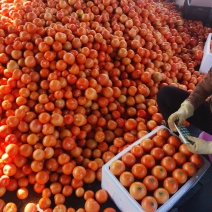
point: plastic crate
(124, 201)
(206, 62)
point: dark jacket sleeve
(202, 91)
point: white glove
(185, 111)
(200, 146)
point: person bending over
(177, 105)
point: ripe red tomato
(149, 203)
(157, 153)
(129, 159)
(158, 140)
(198, 54)
(92, 205)
(159, 172)
(174, 140)
(117, 167)
(139, 170)
(168, 163)
(164, 132)
(170, 184)
(161, 195)
(147, 144)
(190, 168)
(137, 151)
(180, 175)
(197, 160)
(183, 149)
(179, 158)
(148, 161)
(10, 206)
(169, 149)
(138, 190)
(126, 178)
(150, 182)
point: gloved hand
(185, 111)
(199, 146)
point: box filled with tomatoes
(153, 173)
(207, 56)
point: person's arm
(195, 99)
(202, 91)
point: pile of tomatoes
(78, 83)
(156, 168)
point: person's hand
(199, 146)
(185, 111)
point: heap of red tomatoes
(78, 83)
(155, 169)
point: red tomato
(190, 168)
(164, 132)
(149, 204)
(198, 54)
(183, 149)
(101, 196)
(139, 170)
(170, 184)
(148, 161)
(157, 153)
(126, 178)
(168, 163)
(179, 158)
(137, 151)
(180, 175)
(197, 160)
(147, 144)
(169, 149)
(158, 140)
(150, 182)
(161, 195)
(174, 140)
(10, 206)
(159, 172)
(138, 190)
(129, 159)
(92, 205)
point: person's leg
(170, 98)
(202, 118)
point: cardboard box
(206, 62)
(124, 201)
